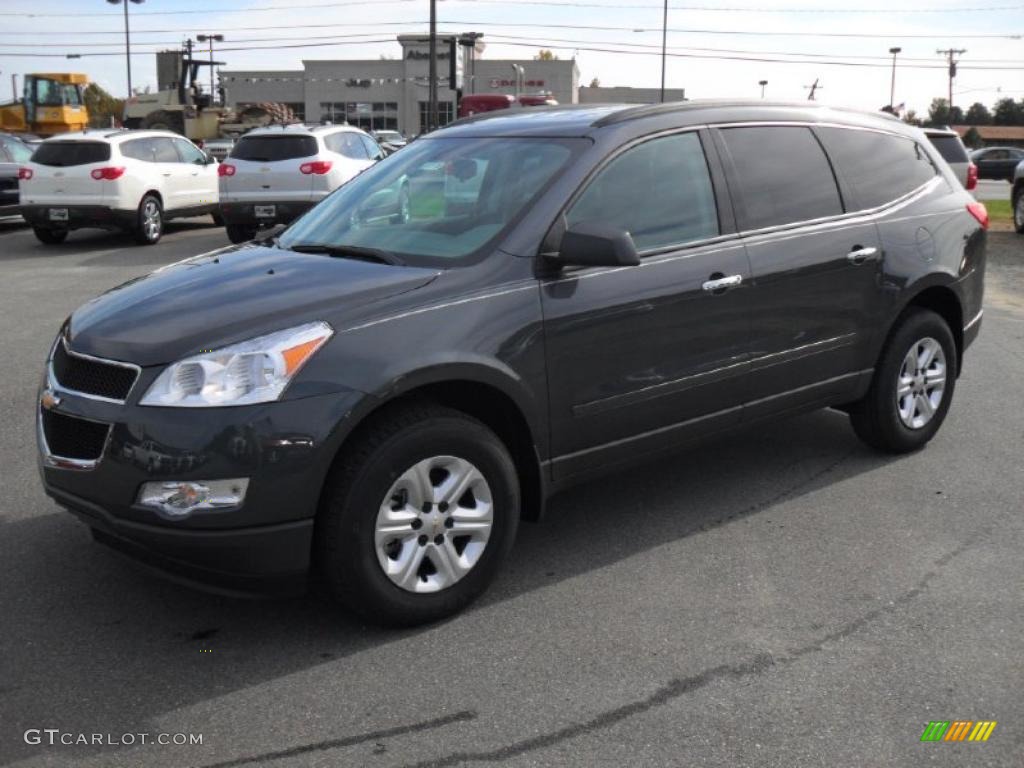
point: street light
(892, 87)
(127, 39)
(211, 39)
(762, 83)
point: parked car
(997, 163)
(380, 399)
(390, 141)
(14, 153)
(121, 179)
(1017, 198)
(218, 149)
(953, 151)
(273, 175)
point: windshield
(438, 201)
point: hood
(217, 299)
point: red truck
(488, 102)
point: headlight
(254, 371)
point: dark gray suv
(504, 308)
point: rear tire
(912, 386)
(149, 221)
(50, 236)
(238, 233)
(388, 531)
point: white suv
(116, 179)
(273, 175)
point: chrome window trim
(54, 461)
(53, 383)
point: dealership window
(370, 116)
(445, 113)
(298, 108)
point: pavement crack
(348, 741)
(680, 687)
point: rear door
(640, 357)
(267, 168)
(816, 271)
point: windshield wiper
(349, 252)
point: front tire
(238, 233)
(912, 386)
(417, 517)
(149, 223)
(50, 236)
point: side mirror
(595, 244)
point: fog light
(178, 499)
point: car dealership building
(392, 94)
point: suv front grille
(92, 377)
(71, 438)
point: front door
(641, 357)
(199, 176)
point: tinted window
(189, 152)
(138, 149)
(879, 167)
(659, 191)
(950, 147)
(270, 148)
(784, 176)
(347, 144)
(65, 153)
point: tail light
(319, 167)
(980, 212)
(107, 174)
(225, 170)
(24, 174)
(972, 176)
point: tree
(910, 116)
(595, 83)
(978, 114)
(545, 55)
(1008, 112)
(973, 139)
(939, 113)
(102, 107)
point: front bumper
(244, 213)
(285, 448)
(79, 217)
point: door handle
(167, 174)
(859, 255)
(716, 284)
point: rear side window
(18, 152)
(659, 191)
(879, 167)
(66, 153)
(164, 151)
(138, 149)
(348, 144)
(784, 176)
(950, 147)
(266, 149)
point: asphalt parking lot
(783, 597)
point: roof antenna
(814, 88)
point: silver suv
(273, 175)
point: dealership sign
(497, 82)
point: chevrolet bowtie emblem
(49, 399)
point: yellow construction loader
(53, 102)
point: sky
(596, 32)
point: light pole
(127, 39)
(210, 39)
(892, 87)
(762, 83)
(664, 43)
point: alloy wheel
(922, 383)
(433, 524)
(151, 219)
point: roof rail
(648, 110)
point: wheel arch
(942, 299)
(478, 392)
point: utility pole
(950, 54)
(892, 86)
(664, 46)
(432, 116)
(211, 39)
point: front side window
(189, 152)
(438, 202)
(783, 174)
(879, 167)
(659, 191)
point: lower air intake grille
(71, 438)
